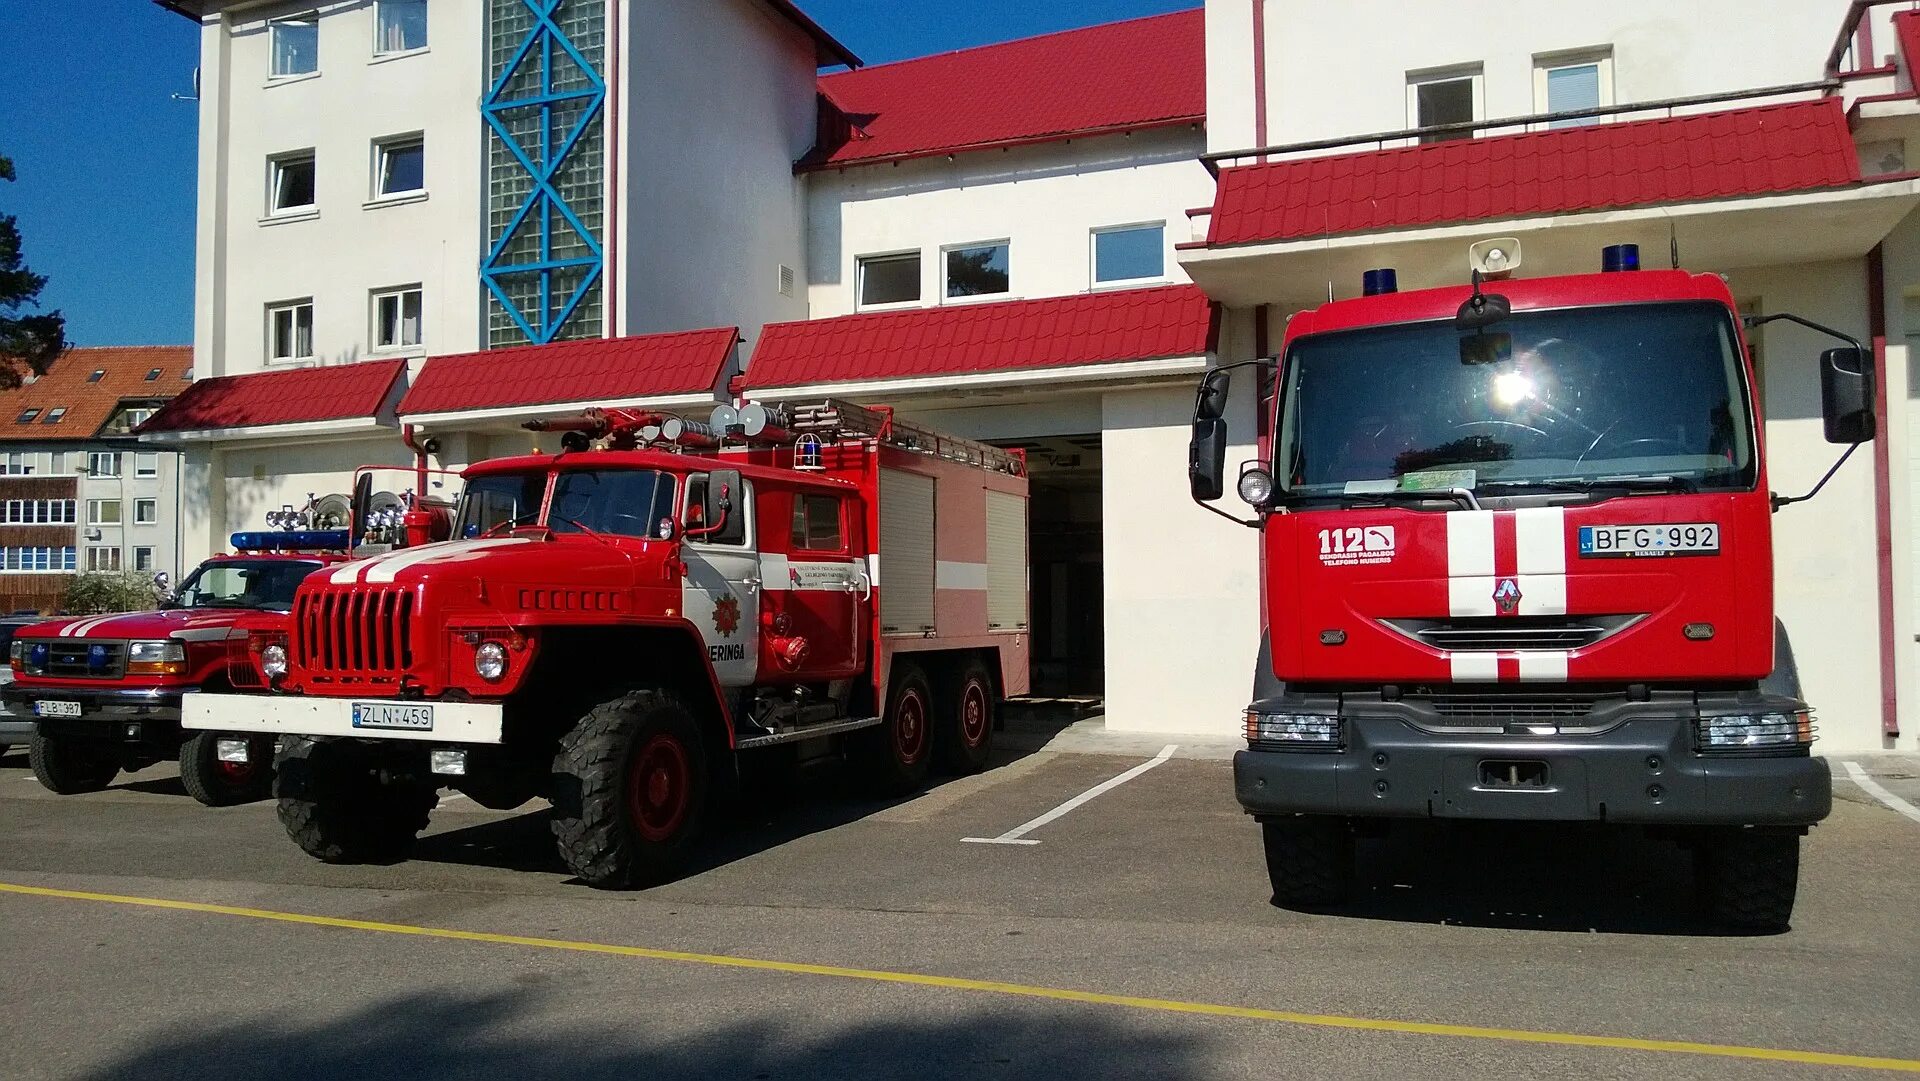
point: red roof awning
(1018, 335)
(1798, 146)
(297, 396)
(598, 370)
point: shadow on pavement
(456, 1034)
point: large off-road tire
(630, 787)
(964, 720)
(337, 806)
(1309, 860)
(72, 766)
(224, 784)
(1747, 880)
(896, 755)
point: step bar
(811, 731)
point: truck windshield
(1574, 396)
(625, 502)
(496, 503)
(266, 583)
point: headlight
(1302, 729)
(161, 658)
(1256, 487)
(273, 661)
(490, 660)
(31, 657)
(1749, 731)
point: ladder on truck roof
(834, 419)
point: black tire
(630, 786)
(896, 756)
(69, 766)
(339, 808)
(1309, 860)
(1747, 880)
(224, 784)
(964, 720)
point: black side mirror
(362, 498)
(1846, 395)
(1483, 310)
(1207, 458)
(1211, 402)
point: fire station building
(429, 221)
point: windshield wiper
(1661, 483)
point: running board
(811, 731)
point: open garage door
(1065, 570)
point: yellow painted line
(953, 983)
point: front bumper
(301, 715)
(140, 715)
(1639, 771)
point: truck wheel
(963, 723)
(897, 753)
(223, 784)
(339, 808)
(71, 767)
(630, 790)
(1748, 880)
(1309, 860)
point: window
(143, 559)
(55, 415)
(98, 374)
(733, 529)
(104, 465)
(890, 279)
(399, 166)
(146, 511)
(1129, 253)
(816, 523)
(290, 331)
(103, 512)
(19, 464)
(134, 418)
(978, 270)
(623, 502)
(103, 559)
(152, 374)
(396, 319)
(35, 560)
(1455, 96)
(37, 512)
(27, 415)
(296, 45)
(146, 464)
(290, 183)
(400, 26)
(1571, 81)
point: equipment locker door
(814, 593)
(721, 592)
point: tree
(101, 592)
(28, 343)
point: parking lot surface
(827, 935)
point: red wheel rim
(659, 786)
(910, 726)
(973, 713)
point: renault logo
(1507, 596)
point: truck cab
(1517, 546)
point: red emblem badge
(726, 616)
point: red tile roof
(1095, 328)
(599, 370)
(1797, 146)
(90, 403)
(296, 396)
(1122, 76)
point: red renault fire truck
(103, 692)
(621, 626)
(1517, 544)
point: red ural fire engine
(103, 692)
(621, 627)
(1517, 545)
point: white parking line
(1875, 790)
(1017, 835)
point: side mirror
(1846, 395)
(1207, 457)
(362, 500)
(723, 487)
(1211, 402)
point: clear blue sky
(106, 157)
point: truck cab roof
(1525, 294)
(666, 461)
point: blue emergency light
(1617, 257)
(298, 540)
(1378, 281)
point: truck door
(721, 592)
(814, 601)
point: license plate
(403, 716)
(57, 709)
(1641, 541)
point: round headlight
(1256, 487)
(490, 660)
(273, 661)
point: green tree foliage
(28, 343)
(101, 592)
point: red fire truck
(622, 626)
(103, 692)
(1517, 549)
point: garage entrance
(1064, 521)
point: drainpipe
(419, 461)
(1883, 495)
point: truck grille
(354, 634)
(1471, 705)
(1512, 633)
(84, 658)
